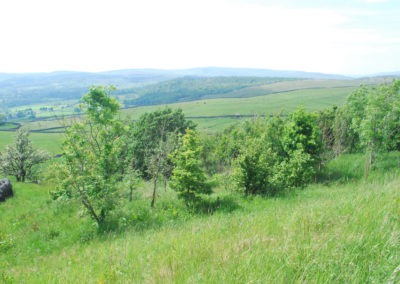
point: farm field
(49, 142)
(311, 99)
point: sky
(350, 37)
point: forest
(289, 183)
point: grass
(49, 142)
(6, 138)
(343, 232)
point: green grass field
(269, 104)
(49, 142)
(311, 99)
(343, 232)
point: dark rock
(5, 189)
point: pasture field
(49, 142)
(311, 99)
(345, 231)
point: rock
(5, 189)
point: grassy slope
(340, 233)
(312, 99)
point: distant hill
(30, 88)
(197, 88)
(251, 72)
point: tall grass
(345, 232)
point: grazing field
(311, 99)
(335, 233)
(49, 142)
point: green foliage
(278, 154)
(326, 121)
(302, 133)
(255, 169)
(92, 152)
(369, 121)
(21, 159)
(151, 130)
(188, 177)
(100, 106)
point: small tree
(254, 168)
(150, 129)
(20, 159)
(188, 177)
(159, 165)
(92, 151)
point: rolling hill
(27, 88)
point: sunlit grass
(344, 232)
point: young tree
(280, 154)
(254, 168)
(20, 159)
(92, 150)
(188, 177)
(158, 164)
(150, 129)
(301, 133)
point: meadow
(344, 231)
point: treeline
(369, 122)
(194, 88)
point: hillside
(32, 88)
(196, 88)
(322, 234)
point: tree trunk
(165, 183)
(92, 213)
(153, 200)
(131, 194)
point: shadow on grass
(226, 204)
(144, 218)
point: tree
(302, 133)
(158, 164)
(92, 151)
(325, 121)
(278, 154)
(188, 177)
(150, 129)
(254, 168)
(20, 159)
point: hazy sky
(332, 36)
